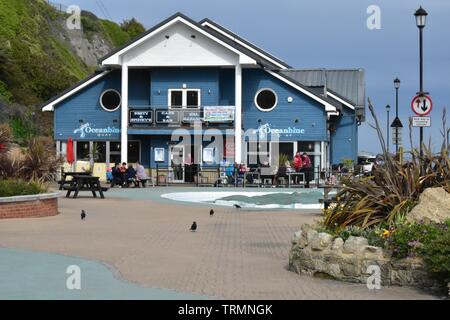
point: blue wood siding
(205, 79)
(344, 142)
(226, 87)
(310, 115)
(139, 87)
(84, 108)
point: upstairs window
(110, 100)
(184, 98)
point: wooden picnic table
(85, 183)
(64, 176)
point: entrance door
(177, 163)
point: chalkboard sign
(167, 116)
(191, 116)
(141, 117)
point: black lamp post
(388, 108)
(397, 123)
(421, 18)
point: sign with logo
(87, 130)
(141, 117)
(421, 105)
(421, 121)
(219, 114)
(191, 116)
(264, 131)
(167, 116)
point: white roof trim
(328, 106)
(51, 105)
(345, 103)
(115, 58)
(258, 52)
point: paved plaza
(233, 255)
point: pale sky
(329, 34)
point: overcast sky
(329, 34)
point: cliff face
(40, 56)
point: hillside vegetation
(39, 58)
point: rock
(371, 252)
(296, 237)
(321, 241)
(355, 244)
(434, 205)
(338, 244)
(310, 235)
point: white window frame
(184, 98)
(101, 98)
(256, 100)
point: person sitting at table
(141, 175)
(117, 176)
(130, 176)
(281, 173)
(298, 163)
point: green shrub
(429, 241)
(11, 188)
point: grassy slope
(35, 64)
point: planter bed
(30, 206)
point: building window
(134, 151)
(266, 99)
(110, 100)
(99, 151)
(305, 146)
(184, 98)
(114, 152)
(83, 150)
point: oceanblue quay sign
(159, 116)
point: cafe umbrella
(69, 151)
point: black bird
(83, 215)
(194, 226)
(237, 206)
(211, 212)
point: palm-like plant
(393, 189)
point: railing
(58, 6)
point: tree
(132, 27)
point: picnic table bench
(85, 183)
(63, 182)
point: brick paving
(234, 255)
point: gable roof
(260, 58)
(207, 23)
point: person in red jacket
(307, 168)
(298, 164)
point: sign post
(421, 105)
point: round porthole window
(110, 100)
(266, 99)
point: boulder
(355, 244)
(321, 241)
(434, 205)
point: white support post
(238, 115)
(124, 125)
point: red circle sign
(421, 105)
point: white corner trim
(114, 59)
(345, 103)
(328, 107)
(258, 52)
(51, 105)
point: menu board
(219, 114)
(191, 116)
(168, 116)
(141, 117)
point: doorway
(176, 155)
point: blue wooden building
(187, 89)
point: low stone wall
(33, 206)
(320, 254)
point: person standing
(307, 168)
(298, 164)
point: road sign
(421, 121)
(421, 105)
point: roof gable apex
(114, 58)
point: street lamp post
(388, 108)
(421, 18)
(396, 86)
